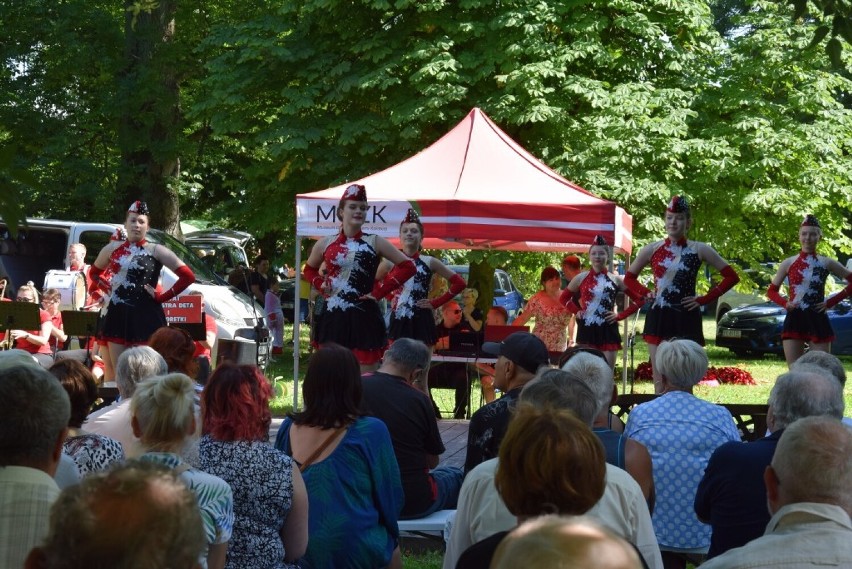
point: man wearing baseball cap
(519, 356)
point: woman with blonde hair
(163, 418)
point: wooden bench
(750, 418)
(432, 526)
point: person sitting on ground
(621, 451)
(557, 542)
(390, 395)
(91, 452)
(135, 515)
(452, 375)
(270, 499)
(34, 412)
(830, 365)
(163, 418)
(34, 341)
(482, 513)
(731, 496)
(809, 494)
(113, 421)
(680, 431)
(550, 462)
(354, 489)
(518, 358)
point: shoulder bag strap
(308, 461)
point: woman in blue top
(349, 467)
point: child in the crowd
(274, 315)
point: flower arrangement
(731, 375)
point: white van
(42, 246)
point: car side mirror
(499, 292)
(843, 307)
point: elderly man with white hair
(809, 494)
(134, 365)
(621, 451)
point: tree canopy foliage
(736, 104)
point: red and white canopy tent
(475, 188)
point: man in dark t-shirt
(390, 394)
(257, 280)
(452, 375)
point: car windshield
(202, 273)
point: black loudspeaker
(238, 351)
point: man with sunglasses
(452, 375)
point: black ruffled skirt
(665, 323)
(808, 325)
(130, 324)
(421, 326)
(603, 337)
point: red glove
(457, 285)
(629, 310)
(95, 278)
(731, 278)
(566, 299)
(311, 274)
(773, 293)
(840, 295)
(635, 287)
(395, 278)
(185, 278)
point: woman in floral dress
(551, 316)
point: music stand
(19, 316)
(82, 324)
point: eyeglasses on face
(24, 299)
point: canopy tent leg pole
(297, 322)
(626, 336)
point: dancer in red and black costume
(130, 270)
(596, 316)
(806, 321)
(674, 309)
(412, 313)
(352, 317)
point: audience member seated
(178, 349)
(34, 411)
(113, 421)
(518, 358)
(557, 542)
(163, 417)
(830, 365)
(91, 452)
(680, 431)
(809, 494)
(731, 496)
(347, 461)
(481, 512)
(550, 462)
(452, 375)
(621, 451)
(50, 303)
(135, 515)
(389, 395)
(35, 342)
(270, 499)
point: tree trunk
(150, 116)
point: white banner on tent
(317, 217)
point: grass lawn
(764, 371)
